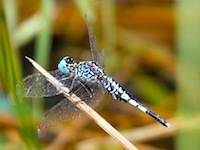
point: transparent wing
(97, 55)
(65, 110)
(36, 85)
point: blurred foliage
(139, 42)
(10, 75)
(188, 77)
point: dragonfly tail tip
(168, 125)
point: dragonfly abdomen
(119, 93)
(116, 90)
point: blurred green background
(151, 47)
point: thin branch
(85, 108)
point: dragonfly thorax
(89, 71)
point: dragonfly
(86, 79)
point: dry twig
(85, 108)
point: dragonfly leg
(71, 87)
(76, 88)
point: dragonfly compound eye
(63, 65)
(69, 60)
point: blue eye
(62, 66)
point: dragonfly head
(64, 64)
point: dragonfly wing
(65, 110)
(61, 112)
(36, 85)
(97, 55)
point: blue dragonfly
(86, 79)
